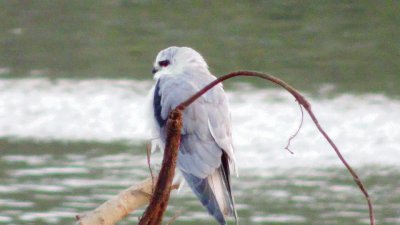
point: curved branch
(302, 101)
(271, 78)
(352, 172)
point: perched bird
(205, 153)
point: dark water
(74, 79)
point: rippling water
(69, 145)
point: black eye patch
(164, 63)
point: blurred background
(74, 77)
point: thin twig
(297, 131)
(176, 215)
(148, 153)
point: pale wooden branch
(120, 206)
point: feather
(205, 194)
(206, 151)
(157, 106)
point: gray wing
(206, 143)
(206, 123)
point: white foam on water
(50, 217)
(5, 218)
(48, 171)
(282, 218)
(15, 204)
(71, 110)
(366, 128)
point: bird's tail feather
(204, 192)
(219, 187)
(214, 194)
(226, 197)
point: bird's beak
(154, 70)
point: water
(113, 111)
(350, 44)
(69, 145)
(74, 76)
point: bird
(206, 155)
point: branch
(134, 197)
(271, 78)
(302, 101)
(346, 164)
(118, 207)
(159, 202)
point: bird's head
(175, 60)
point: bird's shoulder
(186, 84)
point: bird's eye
(163, 63)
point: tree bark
(159, 202)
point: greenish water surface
(74, 74)
(350, 44)
(50, 187)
